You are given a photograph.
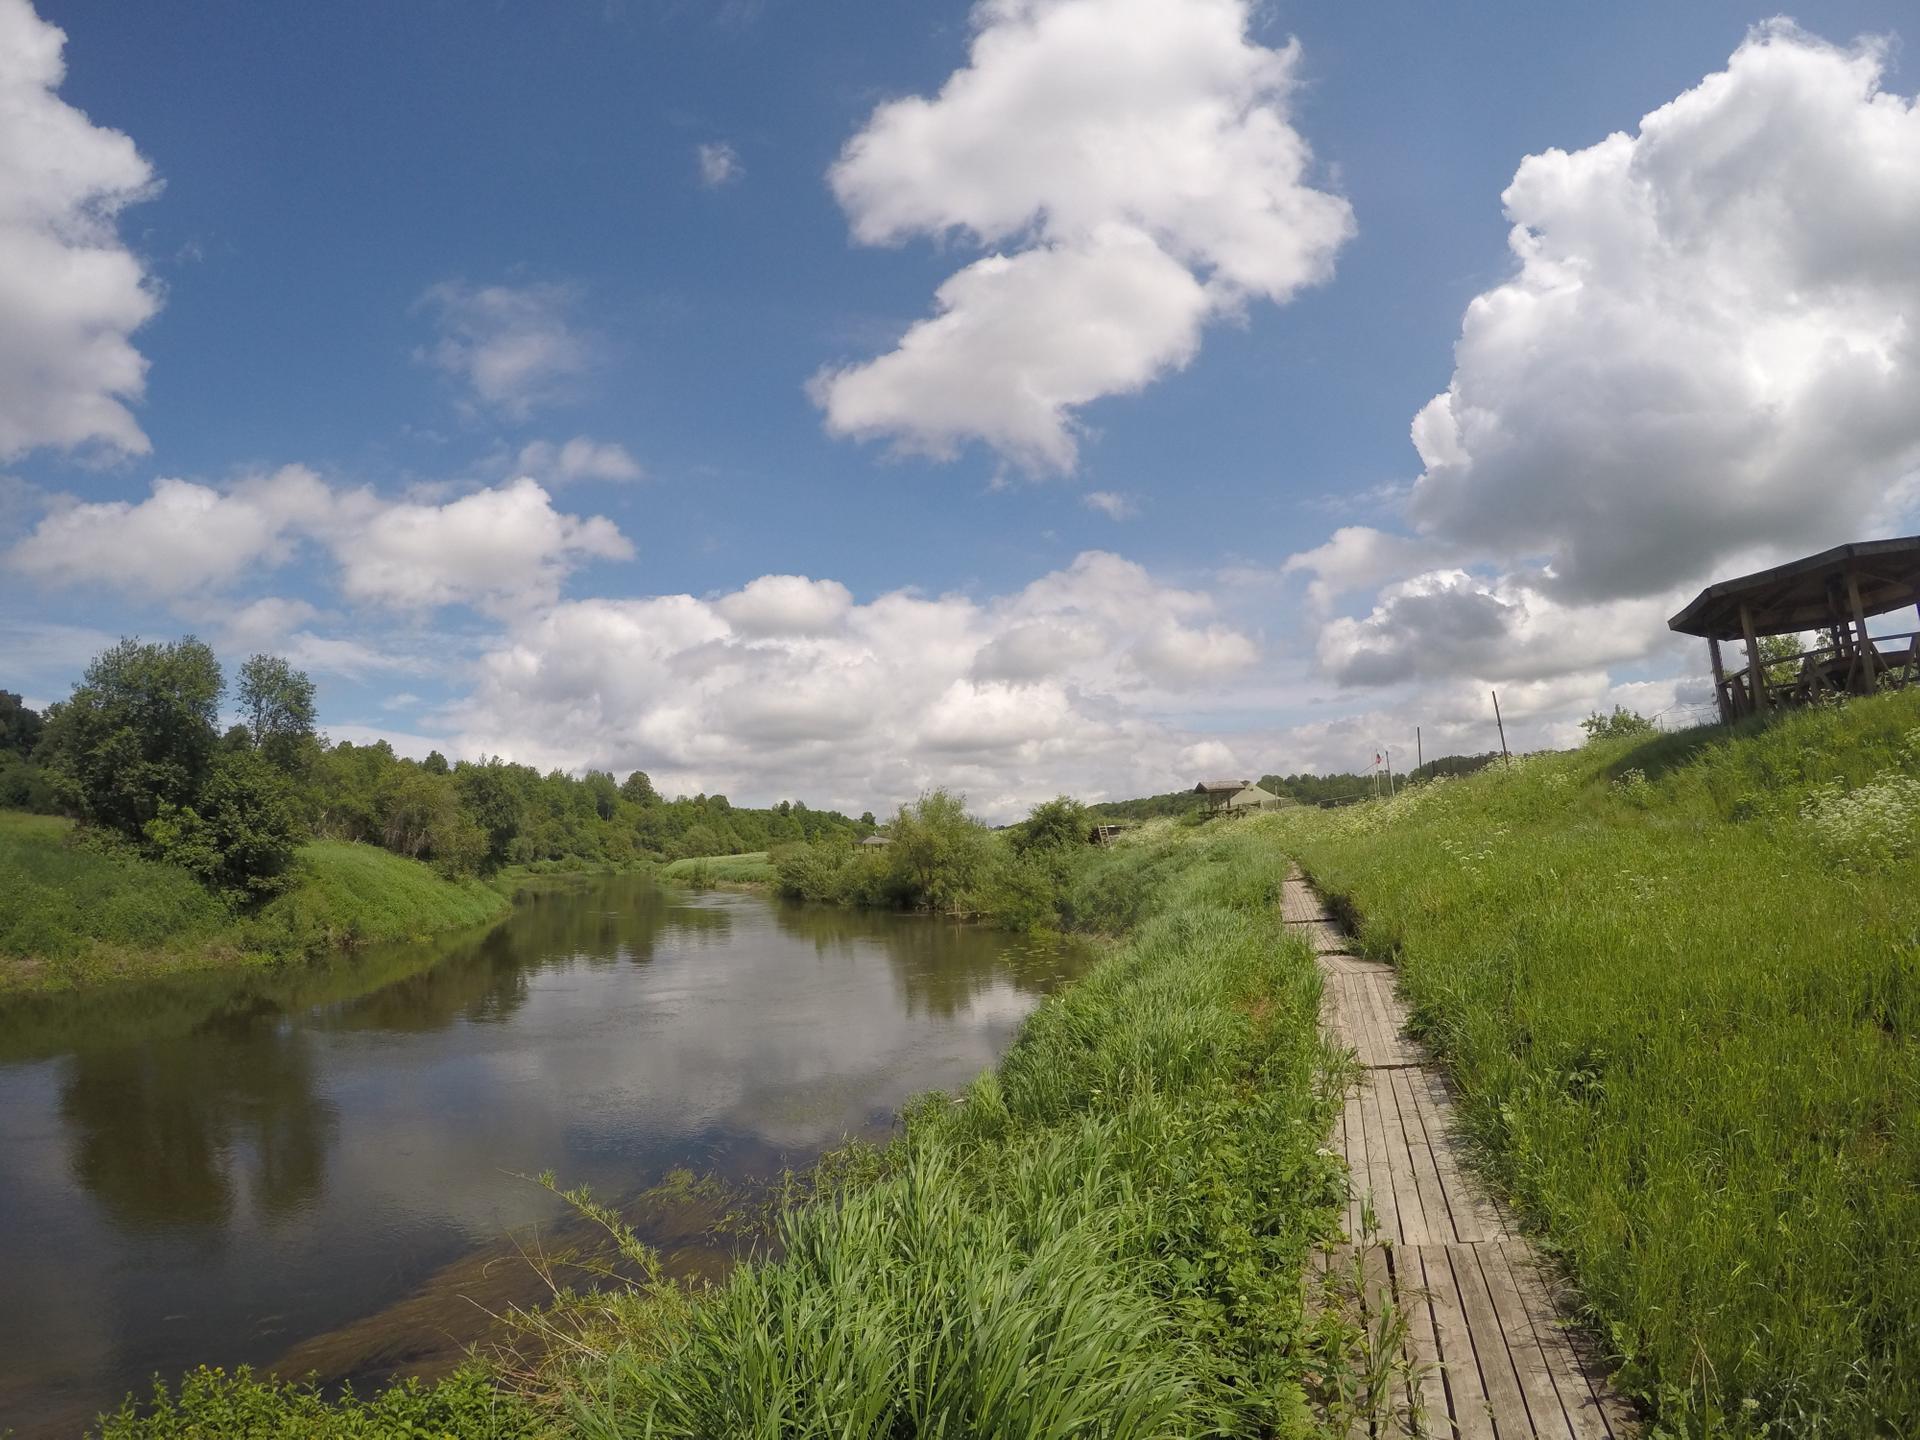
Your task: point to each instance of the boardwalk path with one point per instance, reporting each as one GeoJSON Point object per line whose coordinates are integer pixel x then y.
{"type": "Point", "coordinates": [1489, 1354]}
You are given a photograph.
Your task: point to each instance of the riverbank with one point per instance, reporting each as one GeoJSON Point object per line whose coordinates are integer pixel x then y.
{"type": "Point", "coordinates": [78, 916]}
{"type": "Point", "coordinates": [754, 871]}
{"type": "Point", "coordinates": [1676, 980]}
{"type": "Point", "coordinates": [1107, 1233]}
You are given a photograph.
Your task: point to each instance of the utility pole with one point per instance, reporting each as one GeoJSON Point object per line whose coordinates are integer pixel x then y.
{"type": "Point", "coordinates": [1503, 729]}
{"type": "Point", "coordinates": [1419, 755]}
{"type": "Point", "coordinates": [1389, 772]}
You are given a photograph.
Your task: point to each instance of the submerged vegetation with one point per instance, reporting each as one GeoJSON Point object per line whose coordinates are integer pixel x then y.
{"type": "Point", "coordinates": [1679, 979]}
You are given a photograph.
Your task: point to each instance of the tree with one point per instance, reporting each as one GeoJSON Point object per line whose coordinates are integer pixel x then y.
{"type": "Point", "coordinates": [489, 794]}
{"type": "Point", "coordinates": [138, 732]}
{"type": "Point", "coordinates": [277, 701]}
{"type": "Point", "coordinates": [435, 763]}
{"type": "Point", "coordinates": [1053, 825]}
{"type": "Point", "coordinates": [240, 833]}
{"type": "Point", "coordinates": [604, 793]}
{"type": "Point", "coordinates": [1622, 724]}
{"type": "Point", "coordinates": [638, 789]}
{"type": "Point", "coordinates": [1780, 657]}
{"type": "Point", "coordinates": [937, 851]}
{"type": "Point", "coordinates": [20, 726]}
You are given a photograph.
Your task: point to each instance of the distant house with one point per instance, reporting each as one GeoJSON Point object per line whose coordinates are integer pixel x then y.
{"type": "Point", "coordinates": [1253, 798]}
{"type": "Point", "coordinates": [876, 840]}
{"type": "Point", "coordinates": [1220, 793]}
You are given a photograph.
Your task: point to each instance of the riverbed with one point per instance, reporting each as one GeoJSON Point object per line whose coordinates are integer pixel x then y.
{"type": "Point", "coordinates": [326, 1169]}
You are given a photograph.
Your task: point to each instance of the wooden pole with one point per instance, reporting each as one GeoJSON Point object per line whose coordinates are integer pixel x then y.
{"type": "Point", "coordinates": [1868, 656]}
{"type": "Point", "coordinates": [1503, 728]}
{"type": "Point", "coordinates": [1419, 755]}
{"type": "Point", "coordinates": [1720, 682]}
{"type": "Point", "coordinates": [1389, 772]}
{"type": "Point", "coordinates": [1756, 677]}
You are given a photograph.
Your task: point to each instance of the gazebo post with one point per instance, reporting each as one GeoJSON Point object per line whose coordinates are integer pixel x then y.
{"type": "Point", "coordinates": [1756, 677]}
{"type": "Point", "coordinates": [1867, 655]}
{"type": "Point", "coordinates": [1719, 681]}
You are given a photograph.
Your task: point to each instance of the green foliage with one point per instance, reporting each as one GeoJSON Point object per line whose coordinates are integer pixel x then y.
{"type": "Point", "coordinates": [1780, 657]}
{"type": "Point", "coordinates": [20, 726]}
{"type": "Point", "coordinates": [1622, 724]}
{"type": "Point", "coordinates": [1054, 824]}
{"type": "Point", "coordinates": [240, 834]}
{"type": "Point", "coordinates": [1678, 980]}
{"type": "Point", "coordinates": [213, 1405]}
{"type": "Point", "coordinates": [754, 869]}
{"type": "Point", "coordinates": [278, 703]}
{"type": "Point", "coordinates": [25, 786]}
{"type": "Point", "coordinates": [1104, 1237]}
{"type": "Point", "coordinates": [138, 732]}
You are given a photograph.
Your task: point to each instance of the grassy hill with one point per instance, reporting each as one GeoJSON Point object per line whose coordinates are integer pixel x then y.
{"type": "Point", "coordinates": [74, 914]}
{"type": "Point", "coordinates": [1679, 981]}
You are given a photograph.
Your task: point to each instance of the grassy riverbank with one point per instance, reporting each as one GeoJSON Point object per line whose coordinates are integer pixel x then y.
{"type": "Point", "coordinates": [1104, 1236]}
{"type": "Point", "coordinates": [1679, 980]}
{"type": "Point", "coordinates": [755, 869]}
{"type": "Point", "coordinates": [76, 915]}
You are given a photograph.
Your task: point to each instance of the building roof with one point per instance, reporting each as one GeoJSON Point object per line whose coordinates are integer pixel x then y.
{"type": "Point", "coordinates": [876, 840]}
{"type": "Point", "coordinates": [1253, 795]}
{"type": "Point", "coordinates": [1808, 594]}
{"type": "Point", "coordinates": [1221, 787]}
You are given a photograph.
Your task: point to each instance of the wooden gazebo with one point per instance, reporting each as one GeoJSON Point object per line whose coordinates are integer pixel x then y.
{"type": "Point", "coordinates": [1833, 594]}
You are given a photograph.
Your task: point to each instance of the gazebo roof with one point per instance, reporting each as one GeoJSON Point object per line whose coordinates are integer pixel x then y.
{"type": "Point", "coordinates": [1808, 594]}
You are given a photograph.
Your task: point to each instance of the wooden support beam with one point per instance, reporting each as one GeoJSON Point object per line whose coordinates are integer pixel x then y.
{"type": "Point", "coordinates": [1868, 659]}
{"type": "Point", "coordinates": [1720, 682]}
{"type": "Point", "coordinates": [1756, 673]}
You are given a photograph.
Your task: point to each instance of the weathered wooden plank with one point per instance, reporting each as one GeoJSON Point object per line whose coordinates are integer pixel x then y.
{"type": "Point", "coordinates": [1299, 901]}
{"type": "Point", "coordinates": [1408, 1204]}
{"type": "Point", "coordinates": [1426, 1174]}
{"type": "Point", "coordinates": [1497, 1375]}
{"type": "Point", "coordinates": [1547, 1414]}
{"type": "Point", "coordinates": [1475, 1216]}
{"type": "Point", "coordinates": [1428, 1386]}
{"type": "Point", "coordinates": [1379, 1162]}
{"type": "Point", "coordinates": [1466, 1412]}
{"type": "Point", "coordinates": [1593, 1412]}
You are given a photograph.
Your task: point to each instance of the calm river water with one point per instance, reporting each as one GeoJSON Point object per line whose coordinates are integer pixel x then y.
{"type": "Point", "coordinates": [312, 1170]}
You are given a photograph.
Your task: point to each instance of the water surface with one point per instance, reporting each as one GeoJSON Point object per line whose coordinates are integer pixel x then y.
{"type": "Point", "coordinates": [310, 1169]}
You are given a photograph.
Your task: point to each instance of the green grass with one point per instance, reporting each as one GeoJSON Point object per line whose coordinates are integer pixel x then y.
{"type": "Point", "coordinates": [1679, 981]}
{"type": "Point", "coordinates": [1103, 1237]}
{"type": "Point", "coordinates": [753, 869]}
{"type": "Point", "coordinates": [75, 916]}
{"type": "Point", "coordinates": [212, 1403]}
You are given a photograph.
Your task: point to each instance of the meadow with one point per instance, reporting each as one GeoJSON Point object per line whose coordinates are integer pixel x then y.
{"type": "Point", "coordinates": [1679, 982]}
{"type": "Point", "coordinates": [754, 868]}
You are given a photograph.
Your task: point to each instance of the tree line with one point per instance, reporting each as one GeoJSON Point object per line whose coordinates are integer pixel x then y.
{"type": "Point", "coordinates": [137, 752]}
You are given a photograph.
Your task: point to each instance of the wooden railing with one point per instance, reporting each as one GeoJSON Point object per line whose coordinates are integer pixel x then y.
{"type": "Point", "coordinates": [1829, 670]}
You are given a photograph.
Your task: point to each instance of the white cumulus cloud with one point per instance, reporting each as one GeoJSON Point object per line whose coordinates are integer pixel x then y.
{"type": "Point", "coordinates": [71, 293]}
{"type": "Point", "coordinates": [503, 546]}
{"type": "Point", "coordinates": [719, 163]}
{"type": "Point", "coordinates": [790, 685]}
{"type": "Point", "coordinates": [1131, 166]}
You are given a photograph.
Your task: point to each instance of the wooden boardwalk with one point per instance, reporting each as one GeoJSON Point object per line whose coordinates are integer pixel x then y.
{"type": "Point", "coordinates": [1488, 1355]}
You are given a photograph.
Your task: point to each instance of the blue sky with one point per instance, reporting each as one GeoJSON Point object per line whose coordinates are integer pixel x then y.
{"type": "Point", "coordinates": [416, 250]}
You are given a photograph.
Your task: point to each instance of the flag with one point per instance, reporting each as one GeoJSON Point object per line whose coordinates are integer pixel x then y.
{"type": "Point", "coordinates": [1376, 757]}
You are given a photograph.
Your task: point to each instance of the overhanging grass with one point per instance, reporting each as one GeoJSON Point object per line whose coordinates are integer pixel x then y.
{"type": "Point", "coordinates": [74, 916]}
{"type": "Point", "coordinates": [1104, 1237]}
{"type": "Point", "coordinates": [1680, 983]}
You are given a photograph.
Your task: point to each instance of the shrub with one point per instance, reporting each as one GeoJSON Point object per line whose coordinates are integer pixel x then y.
{"type": "Point", "coordinates": [240, 836]}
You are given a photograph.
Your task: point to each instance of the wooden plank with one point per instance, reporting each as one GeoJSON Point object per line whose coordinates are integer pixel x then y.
{"type": "Point", "coordinates": [1426, 1174]}
{"type": "Point", "coordinates": [1467, 1409]}
{"type": "Point", "coordinates": [1379, 1166]}
{"type": "Point", "coordinates": [1548, 1415]}
{"type": "Point", "coordinates": [1407, 1203]}
{"type": "Point", "coordinates": [1429, 1385]}
{"type": "Point", "coordinates": [1592, 1409]}
{"type": "Point", "coordinates": [1300, 901]}
{"type": "Point", "coordinates": [1475, 1216]}
{"type": "Point", "coordinates": [1497, 1375]}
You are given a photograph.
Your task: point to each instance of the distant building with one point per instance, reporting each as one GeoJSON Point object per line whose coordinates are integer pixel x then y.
{"type": "Point", "coordinates": [1253, 798]}
{"type": "Point", "coordinates": [876, 840]}
{"type": "Point", "coordinates": [1220, 793]}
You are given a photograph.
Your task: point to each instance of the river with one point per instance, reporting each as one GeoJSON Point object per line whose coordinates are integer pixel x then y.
{"type": "Point", "coordinates": [313, 1169]}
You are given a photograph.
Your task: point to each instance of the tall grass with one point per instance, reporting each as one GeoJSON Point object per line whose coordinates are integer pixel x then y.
{"type": "Point", "coordinates": [73, 913]}
{"type": "Point", "coordinates": [1103, 1237]}
{"type": "Point", "coordinates": [1680, 983]}
{"type": "Point", "coordinates": [756, 868]}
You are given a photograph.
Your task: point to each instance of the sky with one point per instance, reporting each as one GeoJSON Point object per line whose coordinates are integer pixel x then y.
{"type": "Point", "coordinates": [835, 401]}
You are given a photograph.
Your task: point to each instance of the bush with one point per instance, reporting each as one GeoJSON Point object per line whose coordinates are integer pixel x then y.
{"type": "Point", "coordinates": [241, 835]}
{"type": "Point", "coordinates": [213, 1404]}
